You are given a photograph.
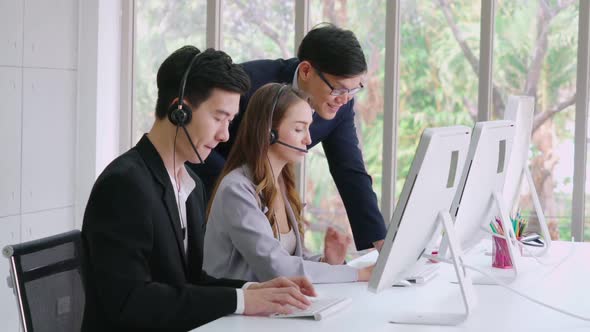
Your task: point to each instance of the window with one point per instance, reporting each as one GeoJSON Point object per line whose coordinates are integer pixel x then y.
{"type": "Point", "coordinates": [438, 72]}
{"type": "Point", "coordinates": [161, 27]}
{"type": "Point", "coordinates": [535, 48]}
{"type": "Point", "coordinates": [253, 30]}
{"type": "Point", "coordinates": [587, 196]}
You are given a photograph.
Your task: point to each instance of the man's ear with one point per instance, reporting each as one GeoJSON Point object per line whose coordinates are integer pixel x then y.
{"type": "Point", "coordinates": [174, 101]}
{"type": "Point", "coordinates": [305, 70]}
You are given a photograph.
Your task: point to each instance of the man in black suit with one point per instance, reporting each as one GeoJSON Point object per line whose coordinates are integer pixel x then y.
{"type": "Point", "coordinates": [330, 67]}
{"type": "Point", "coordinates": [145, 219]}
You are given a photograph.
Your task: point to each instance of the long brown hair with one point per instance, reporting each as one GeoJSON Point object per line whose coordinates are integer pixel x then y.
{"type": "Point", "coordinates": [252, 144]}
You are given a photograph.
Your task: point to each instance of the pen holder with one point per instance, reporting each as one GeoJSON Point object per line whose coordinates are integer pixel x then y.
{"type": "Point", "coordinates": [500, 255]}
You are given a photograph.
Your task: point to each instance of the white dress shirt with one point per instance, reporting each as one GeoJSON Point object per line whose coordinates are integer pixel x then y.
{"type": "Point", "coordinates": [182, 191]}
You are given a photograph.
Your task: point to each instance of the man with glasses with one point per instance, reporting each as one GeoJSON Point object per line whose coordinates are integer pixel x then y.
{"type": "Point", "coordinates": [330, 67]}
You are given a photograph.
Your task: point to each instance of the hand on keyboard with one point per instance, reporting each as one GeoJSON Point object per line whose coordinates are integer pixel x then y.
{"type": "Point", "coordinates": [300, 283]}
{"type": "Point", "coordinates": [319, 308]}
{"type": "Point", "coordinates": [276, 295]}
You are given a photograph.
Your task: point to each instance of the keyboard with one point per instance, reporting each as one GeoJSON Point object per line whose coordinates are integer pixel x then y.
{"type": "Point", "coordinates": [320, 308]}
{"type": "Point", "coordinates": [422, 272]}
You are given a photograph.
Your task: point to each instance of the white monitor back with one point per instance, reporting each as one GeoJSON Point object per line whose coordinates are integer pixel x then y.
{"type": "Point", "coordinates": [429, 189]}
{"type": "Point", "coordinates": [483, 174]}
{"type": "Point", "coordinates": [520, 110]}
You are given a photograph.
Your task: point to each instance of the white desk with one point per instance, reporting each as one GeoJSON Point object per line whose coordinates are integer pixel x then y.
{"type": "Point", "coordinates": [566, 286]}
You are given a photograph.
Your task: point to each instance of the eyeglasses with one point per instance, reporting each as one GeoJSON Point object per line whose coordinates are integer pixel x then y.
{"type": "Point", "coordinates": [339, 91]}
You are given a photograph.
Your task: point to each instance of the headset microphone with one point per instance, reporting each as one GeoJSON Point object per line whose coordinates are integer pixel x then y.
{"type": "Point", "coordinates": [192, 144]}
{"type": "Point", "coordinates": [292, 147]}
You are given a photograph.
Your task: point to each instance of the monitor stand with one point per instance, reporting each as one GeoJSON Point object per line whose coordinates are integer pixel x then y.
{"type": "Point", "coordinates": [510, 237]}
{"type": "Point", "coordinates": [526, 173]}
{"type": "Point", "coordinates": [513, 245]}
{"type": "Point", "coordinates": [465, 284]}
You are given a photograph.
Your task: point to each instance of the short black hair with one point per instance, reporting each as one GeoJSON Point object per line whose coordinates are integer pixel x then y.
{"type": "Point", "coordinates": [333, 50]}
{"type": "Point", "coordinates": [212, 69]}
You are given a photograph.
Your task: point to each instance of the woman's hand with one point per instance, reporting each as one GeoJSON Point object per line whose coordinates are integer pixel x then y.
{"type": "Point", "coordinates": [365, 273]}
{"type": "Point", "coordinates": [335, 245]}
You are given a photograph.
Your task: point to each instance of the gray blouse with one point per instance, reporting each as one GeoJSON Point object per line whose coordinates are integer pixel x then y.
{"type": "Point", "coordinates": [239, 241]}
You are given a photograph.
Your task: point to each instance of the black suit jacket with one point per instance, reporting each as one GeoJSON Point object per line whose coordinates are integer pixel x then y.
{"type": "Point", "coordinates": [137, 274]}
{"type": "Point", "coordinates": [340, 142]}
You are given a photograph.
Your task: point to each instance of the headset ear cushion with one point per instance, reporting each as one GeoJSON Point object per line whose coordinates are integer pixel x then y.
{"type": "Point", "coordinates": [274, 136]}
{"type": "Point", "coordinates": [180, 117]}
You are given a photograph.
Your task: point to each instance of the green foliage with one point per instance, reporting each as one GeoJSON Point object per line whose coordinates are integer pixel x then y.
{"type": "Point", "coordinates": [438, 86]}
{"type": "Point", "coordinates": [258, 29]}
{"type": "Point", "coordinates": [372, 134]}
{"type": "Point", "coordinates": [161, 28]}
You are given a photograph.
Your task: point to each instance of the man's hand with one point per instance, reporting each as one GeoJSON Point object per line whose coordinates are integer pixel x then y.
{"type": "Point", "coordinates": [378, 244]}
{"type": "Point", "coordinates": [277, 296]}
{"type": "Point", "coordinates": [266, 301]}
{"type": "Point", "coordinates": [335, 245]}
{"type": "Point", "coordinates": [302, 284]}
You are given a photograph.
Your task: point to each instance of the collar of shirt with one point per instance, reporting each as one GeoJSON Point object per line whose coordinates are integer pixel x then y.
{"type": "Point", "coordinates": [294, 83]}
{"type": "Point", "coordinates": [182, 190]}
{"type": "Point", "coordinates": [185, 184]}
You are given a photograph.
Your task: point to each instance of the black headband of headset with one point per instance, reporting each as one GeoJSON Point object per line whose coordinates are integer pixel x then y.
{"type": "Point", "coordinates": [185, 78]}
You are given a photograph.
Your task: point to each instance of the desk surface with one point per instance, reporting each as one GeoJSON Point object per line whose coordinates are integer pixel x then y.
{"type": "Point", "coordinates": [559, 282]}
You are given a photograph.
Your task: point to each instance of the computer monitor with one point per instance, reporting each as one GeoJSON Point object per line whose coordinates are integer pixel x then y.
{"type": "Point", "coordinates": [479, 195]}
{"type": "Point", "coordinates": [424, 202]}
{"type": "Point", "coordinates": [521, 110]}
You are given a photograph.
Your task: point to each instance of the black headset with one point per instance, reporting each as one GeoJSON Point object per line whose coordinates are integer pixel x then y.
{"type": "Point", "coordinates": [274, 134]}
{"type": "Point", "coordinates": [179, 113]}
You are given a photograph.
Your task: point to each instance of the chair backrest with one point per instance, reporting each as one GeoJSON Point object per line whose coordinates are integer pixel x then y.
{"type": "Point", "coordinates": [47, 278]}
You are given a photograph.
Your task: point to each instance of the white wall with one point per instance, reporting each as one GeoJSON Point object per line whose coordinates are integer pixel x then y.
{"type": "Point", "coordinates": [57, 134]}
{"type": "Point", "coordinates": [38, 73]}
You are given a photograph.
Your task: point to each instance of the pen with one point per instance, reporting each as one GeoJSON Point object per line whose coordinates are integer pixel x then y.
{"type": "Point", "coordinates": [500, 228]}
{"type": "Point", "coordinates": [493, 228]}
{"type": "Point", "coordinates": [523, 226]}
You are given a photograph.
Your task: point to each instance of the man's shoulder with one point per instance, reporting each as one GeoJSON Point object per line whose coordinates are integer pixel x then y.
{"type": "Point", "coordinates": [265, 71]}
{"type": "Point", "coordinates": [129, 164]}
{"type": "Point", "coordinates": [124, 187]}
{"type": "Point", "coordinates": [265, 64]}
{"type": "Point", "coordinates": [128, 173]}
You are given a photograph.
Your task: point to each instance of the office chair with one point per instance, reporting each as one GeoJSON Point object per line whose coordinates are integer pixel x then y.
{"type": "Point", "coordinates": [46, 276]}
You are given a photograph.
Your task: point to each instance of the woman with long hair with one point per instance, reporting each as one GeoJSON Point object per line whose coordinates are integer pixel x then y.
{"type": "Point", "coordinates": [255, 224]}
